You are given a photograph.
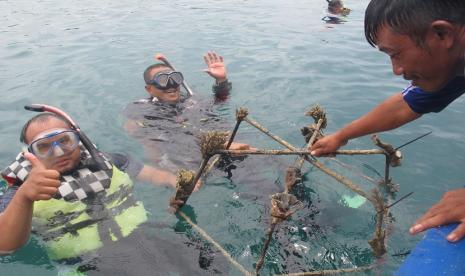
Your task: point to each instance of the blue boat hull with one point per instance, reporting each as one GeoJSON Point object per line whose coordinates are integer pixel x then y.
{"type": "Point", "coordinates": [434, 255]}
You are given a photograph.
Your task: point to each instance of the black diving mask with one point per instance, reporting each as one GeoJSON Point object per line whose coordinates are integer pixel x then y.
{"type": "Point", "coordinates": [167, 80]}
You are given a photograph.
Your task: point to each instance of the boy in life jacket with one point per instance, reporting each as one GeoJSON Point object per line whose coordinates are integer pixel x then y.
{"type": "Point", "coordinates": [75, 203]}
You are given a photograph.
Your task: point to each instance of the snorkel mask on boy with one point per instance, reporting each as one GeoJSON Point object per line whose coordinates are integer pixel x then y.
{"type": "Point", "coordinates": [54, 143]}
{"type": "Point", "coordinates": [92, 175]}
{"type": "Point", "coordinates": [61, 141]}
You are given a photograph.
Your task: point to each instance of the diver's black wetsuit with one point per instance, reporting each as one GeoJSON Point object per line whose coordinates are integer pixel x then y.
{"type": "Point", "coordinates": [168, 130]}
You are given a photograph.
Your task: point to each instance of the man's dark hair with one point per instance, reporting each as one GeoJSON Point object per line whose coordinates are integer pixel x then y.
{"type": "Point", "coordinates": [410, 17]}
{"type": "Point", "coordinates": [40, 118]}
{"type": "Point", "coordinates": [147, 77]}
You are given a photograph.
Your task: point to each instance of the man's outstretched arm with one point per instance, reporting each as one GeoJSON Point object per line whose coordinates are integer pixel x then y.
{"type": "Point", "coordinates": [156, 176]}
{"type": "Point", "coordinates": [392, 113]}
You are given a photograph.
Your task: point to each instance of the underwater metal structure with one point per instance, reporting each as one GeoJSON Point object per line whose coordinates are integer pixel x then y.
{"type": "Point", "coordinates": [284, 204]}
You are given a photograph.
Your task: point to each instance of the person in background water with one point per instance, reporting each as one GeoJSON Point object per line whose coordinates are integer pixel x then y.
{"type": "Point", "coordinates": [75, 206]}
{"type": "Point", "coordinates": [425, 40]}
{"type": "Point", "coordinates": [336, 12]}
{"type": "Point", "coordinates": [166, 121]}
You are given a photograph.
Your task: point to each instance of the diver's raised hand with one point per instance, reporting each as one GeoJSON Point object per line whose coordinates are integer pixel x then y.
{"type": "Point", "coordinates": [41, 183]}
{"type": "Point", "coordinates": [327, 144]}
{"type": "Point", "coordinates": [450, 209]}
{"type": "Point", "coordinates": [216, 67]}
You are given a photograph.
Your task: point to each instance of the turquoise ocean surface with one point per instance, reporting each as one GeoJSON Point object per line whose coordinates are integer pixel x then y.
{"type": "Point", "coordinates": [87, 57]}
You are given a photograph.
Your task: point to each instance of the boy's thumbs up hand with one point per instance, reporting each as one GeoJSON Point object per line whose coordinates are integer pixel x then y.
{"type": "Point", "coordinates": [41, 183]}
{"type": "Point", "coordinates": [35, 162]}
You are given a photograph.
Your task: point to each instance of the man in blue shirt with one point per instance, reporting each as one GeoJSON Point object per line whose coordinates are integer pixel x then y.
{"type": "Point", "coordinates": [425, 40]}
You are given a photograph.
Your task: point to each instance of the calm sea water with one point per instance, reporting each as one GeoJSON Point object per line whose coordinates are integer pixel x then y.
{"type": "Point", "coordinates": [87, 57]}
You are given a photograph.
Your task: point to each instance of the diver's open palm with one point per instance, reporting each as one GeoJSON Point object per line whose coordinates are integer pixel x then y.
{"type": "Point", "coordinates": [216, 67]}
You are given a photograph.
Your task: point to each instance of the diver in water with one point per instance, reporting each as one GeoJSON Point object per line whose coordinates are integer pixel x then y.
{"type": "Point", "coordinates": [77, 198]}
{"type": "Point", "coordinates": [336, 12]}
{"type": "Point", "coordinates": [166, 121]}
{"type": "Point", "coordinates": [163, 83]}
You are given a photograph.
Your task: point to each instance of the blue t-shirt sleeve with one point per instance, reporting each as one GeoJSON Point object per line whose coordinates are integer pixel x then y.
{"type": "Point", "coordinates": [425, 102]}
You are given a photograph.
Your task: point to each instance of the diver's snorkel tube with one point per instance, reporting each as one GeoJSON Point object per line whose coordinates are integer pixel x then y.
{"type": "Point", "coordinates": [162, 58]}
{"type": "Point", "coordinates": [100, 162]}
